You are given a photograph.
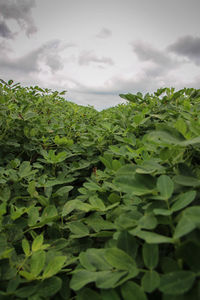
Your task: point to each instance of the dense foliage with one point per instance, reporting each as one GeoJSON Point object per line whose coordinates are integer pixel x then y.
{"type": "Point", "coordinates": [99, 205]}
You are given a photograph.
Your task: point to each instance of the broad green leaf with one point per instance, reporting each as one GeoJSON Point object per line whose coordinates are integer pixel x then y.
{"type": "Point", "coordinates": [94, 260]}
{"type": "Point", "coordinates": [177, 282]}
{"type": "Point", "coordinates": [81, 278]}
{"type": "Point", "coordinates": [49, 287]}
{"type": "Point", "coordinates": [193, 213]}
{"type": "Point", "coordinates": [16, 212]}
{"type": "Point", "coordinates": [75, 204]}
{"type": "Point", "coordinates": [98, 223]}
{"type": "Point", "coordinates": [150, 255]}
{"type": "Point", "coordinates": [33, 216]}
{"type": "Point", "coordinates": [13, 284]}
{"type": "Point", "coordinates": [109, 279]}
{"type": "Point", "coordinates": [49, 212]}
{"type": "Point", "coordinates": [184, 226]}
{"type": "Point", "coordinates": [153, 238]}
{"type": "Point", "coordinates": [165, 186]}
{"type": "Point", "coordinates": [37, 262]}
{"type": "Point", "coordinates": [54, 266]}
{"type": "Point", "coordinates": [5, 194]}
{"type": "Point", "coordinates": [27, 275]}
{"type": "Point", "coordinates": [26, 247]}
{"type": "Point", "coordinates": [183, 200]}
{"type": "Point", "coordinates": [97, 203]}
{"type": "Point", "coordinates": [150, 281]}
{"type": "Point", "coordinates": [130, 289]}
{"type": "Point", "coordinates": [78, 229]}
{"type": "Point", "coordinates": [181, 126]}
{"type": "Point", "coordinates": [132, 184]}
{"type": "Point", "coordinates": [37, 243]}
{"type": "Point", "coordinates": [187, 181]}
{"type": "Point", "coordinates": [24, 169]}
{"type": "Point", "coordinates": [128, 243]}
{"type": "Point", "coordinates": [87, 293]}
{"type": "Point", "coordinates": [109, 294]}
{"type": "Point", "coordinates": [26, 291]}
{"type": "Point", "coordinates": [120, 260]}
{"type": "Point", "coordinates": [31, 189]}
{"type": "Point", "coordinates": [63, 190]}
{"type": "Point", "coordinates": [147, 222]}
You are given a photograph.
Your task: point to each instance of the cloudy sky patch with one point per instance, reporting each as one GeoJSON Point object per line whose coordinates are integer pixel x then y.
{"type": "Point", "coordinates": [104, 33]}
{"type": "Point", "coordinates": [187, 46]}
{"type": "Point", "coordinates": [98, 49]}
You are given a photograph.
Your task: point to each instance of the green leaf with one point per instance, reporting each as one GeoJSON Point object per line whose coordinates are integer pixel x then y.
{"type": "Point", "coordinates": [5, 194]}
{"type": "Point", "coordinates": [54, 266]}
{"type": "Point", "coordinates": [94, 259]}
{"type": "Point", "coordinates": [49, 287]}
{"type": "Point", "coordinates": [81, 278]}
{"type": "Point", "coordinates": [37, 243]}
{"type": "Point", "coordinates": [109, 294]}
{"type": "Point", "coordinates": [147, 222]}
{"type": "Point", "coordinates": [134, 184]}
{"type": "Point", "coordinates": [37, 262]}
{"type": "Point", "coordinates": [63, 190]}
{"type": "Point", "coordinates": [26, 291]}
{"type": "Point", "coordinates": [24, 169]}
{"type": "Point", "coordinates": [165, 186]}
{"type": "Point", "coordinates": [128, 243]}
{"type": "Point", "coordinates": [120, 260]}
{"type": "Point", "coordinates": [181, 126]}
{"type": "Point", "coordinates": [188, 222]}
{"type": "Point", "coordinates": [184, 226]}
{"type": "Point", "coordinates": [153, 238]}
{"type": "Point", "coordinates": [183, 200]}
{"type": "Point", "coordinates": [31, 189]}
{"type": "Point", "coordinates": [75, 204]}
{"type": "Point", "coordinates": [33, 216]}
{"type": "Point", "coordinates": [150, 254]}
{"type": "Point", "coordinates": [49, 213]}
{"type": "Point", "coordinates": [177, 282]}
{"type": "Point", "coordinates": [109, 279]}
{"type": "Point", "coordinates": [131, 289]}
{"type": "Point", "coordinates": [78, 229]}
{"type": "Point", "coordinates": [27, 275]}
{"type": "Point", "coordinates": [193, 213]}
{"type": "Point", "coordinates": [26, 247]}
{"type": "Point", "coordinates": [187, 181]}
{"type": "Point", "coordinates": [97, 203]}
{"type": "Point", "coordinates": [150, 281]}
{"type": "Point", "coordinates": [87, 293]}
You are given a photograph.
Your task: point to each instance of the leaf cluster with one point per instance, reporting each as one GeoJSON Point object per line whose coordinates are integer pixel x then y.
{"type": "Point", "coordinates": [99, 205]}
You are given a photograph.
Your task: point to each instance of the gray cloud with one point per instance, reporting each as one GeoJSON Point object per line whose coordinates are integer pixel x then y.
{"type": "Point", "coordinates": [146, 52]}
{"type": "Point", "coordinates": [88, 57]}
{"type": "Point", "coordinates": [48, 55]}
{"type": "Point", "coordinates": [20, 11]}
{"type": "Point", "coordinates": [104, 33]}
{"type": "Point", "coordinates": [5, 32]}
{"type": "Point", "coordinates": [187, 46]}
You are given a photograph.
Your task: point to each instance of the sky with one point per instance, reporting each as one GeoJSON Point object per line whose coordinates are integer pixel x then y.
{"type": "Point", "coordinates": [98, 49]}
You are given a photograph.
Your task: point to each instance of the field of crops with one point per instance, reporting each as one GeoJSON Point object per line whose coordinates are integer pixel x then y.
{"type": "Point", "coordinates": [99, 205]}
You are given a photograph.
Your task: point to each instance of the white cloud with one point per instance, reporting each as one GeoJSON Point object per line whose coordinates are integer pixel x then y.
{"type": "Point", "coordinates": [87, 57]}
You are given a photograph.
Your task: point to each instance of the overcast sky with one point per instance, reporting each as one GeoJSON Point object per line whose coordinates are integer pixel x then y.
{"type": "Point", "coordinates": [98, 49]}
